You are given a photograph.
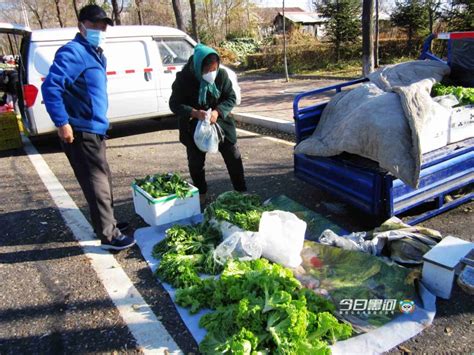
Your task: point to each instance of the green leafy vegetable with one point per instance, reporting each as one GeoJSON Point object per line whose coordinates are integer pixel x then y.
{"type": "Point", "coordinates": [186, 252]}
{"type": "Point", "coordinates": [261, 307]}
{"type": "Point", "coordinates": [242, 210]}
{"type": "Point", "coordinates": [160, 185]}
{"type": "Point", "coordinates": [464, 95]}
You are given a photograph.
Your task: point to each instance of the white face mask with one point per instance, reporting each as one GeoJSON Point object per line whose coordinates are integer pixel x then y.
{"type": "Point", "coordinates": [210, 77]}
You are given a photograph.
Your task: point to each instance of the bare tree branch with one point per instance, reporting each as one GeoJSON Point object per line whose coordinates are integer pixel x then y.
{"type": "Point", "coordinates": [178, 14]}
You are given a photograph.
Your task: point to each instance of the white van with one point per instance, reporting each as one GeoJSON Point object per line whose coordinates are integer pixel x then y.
{"type": "Point", "coordinates": [142, 62]}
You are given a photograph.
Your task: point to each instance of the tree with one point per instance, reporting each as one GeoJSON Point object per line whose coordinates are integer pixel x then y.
{"type": "Point", "coordinates": [229, 6]}
{"type": "Point", "coordinates": [76, 9]}
{"type": "Point", "coordinates": [116, 12]}
{"type": "Point", "coordinates": [138, 4]}
{"type": "Point", "coordinates": [434, 12]}
{"type": "Point", "coordinates": [194, 28]}
{"type": "Point", "coordinates": [58, 12]}
{"type": "Point", "coordinates": [412, 17]}
{"type": "Point", "coordinates": [367, 37]}
{"type": "Point", "coordinates": [343, 25]}
{"type": "Point", "coordinates": [460, 15]}
{"type": "Point", "coordinates": [377, 31]}
{"type": "Point", "coordinates": [38, 10]}
{"type": "Point", "coordinates": [178, 14]}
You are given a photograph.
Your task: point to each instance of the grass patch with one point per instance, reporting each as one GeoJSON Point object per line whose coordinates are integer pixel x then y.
{"type": "Point", "coordinates": [351, 68]}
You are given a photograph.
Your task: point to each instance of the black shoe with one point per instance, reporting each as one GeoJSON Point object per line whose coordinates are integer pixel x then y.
{"type": "Point", "coordinates": [118, 243]}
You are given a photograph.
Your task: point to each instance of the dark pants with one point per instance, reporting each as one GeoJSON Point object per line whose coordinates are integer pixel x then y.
{"type": "Point", "coordinates": [87, 158]}
{"type": "Point", "coordinates": [231, 154]}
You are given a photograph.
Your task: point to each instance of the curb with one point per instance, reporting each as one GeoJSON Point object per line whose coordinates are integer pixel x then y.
{"type": "Point", "coordinates": [267, 122]}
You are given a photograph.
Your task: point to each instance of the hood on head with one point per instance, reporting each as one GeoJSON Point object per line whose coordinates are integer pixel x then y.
{"type": "Point", "coordinates": [200, 52]}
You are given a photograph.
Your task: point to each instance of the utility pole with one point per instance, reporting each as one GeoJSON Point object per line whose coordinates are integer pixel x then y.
{"type": "Point", "coordinates": [284, 45]}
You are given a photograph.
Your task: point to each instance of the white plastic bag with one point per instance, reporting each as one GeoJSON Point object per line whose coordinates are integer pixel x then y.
{"type": "Point", "coordinates": [281, 235]}
{"type": "Point", "coordinates": [207, 136]}
{"type": "Point", "coordinates": [239, 245]}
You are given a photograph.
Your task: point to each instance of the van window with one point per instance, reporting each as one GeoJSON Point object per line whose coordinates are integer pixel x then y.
{"type": "Point", "coordinates": [126, 55]}
{"type": "Point", "coordinates": [174, 50]}
{"type": "Point", "coordinates": [43, 57]}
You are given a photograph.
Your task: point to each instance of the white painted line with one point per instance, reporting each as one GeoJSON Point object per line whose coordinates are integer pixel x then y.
{"type": "Point", "coordinates": [150, 335]}
{"type": "Point", "coordinates": [252, 134]}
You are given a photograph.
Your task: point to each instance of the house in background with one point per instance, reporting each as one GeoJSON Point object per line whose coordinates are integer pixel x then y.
{"type": "Point", "coordinates": [306, 22]}
{"type": "Point", "coordinates": [266, 17]}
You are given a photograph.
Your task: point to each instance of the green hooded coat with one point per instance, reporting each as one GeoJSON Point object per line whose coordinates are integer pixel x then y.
{"type": "Point", "coordinates": [186, 89]}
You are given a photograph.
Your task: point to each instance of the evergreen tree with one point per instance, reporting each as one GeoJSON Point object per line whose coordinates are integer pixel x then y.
{"type": "Point", "coordinates": [411, 16]}
{"type": "Point", "coordinates": [343, 24]}
{"type": "Point", "coordinates": [460, 15]}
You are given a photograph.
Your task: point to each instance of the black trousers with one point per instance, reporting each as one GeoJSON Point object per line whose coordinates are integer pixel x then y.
{"type": "Point", "coordinates": [232, 158]}
{"type": "Point", "coordinates": [86, 154]}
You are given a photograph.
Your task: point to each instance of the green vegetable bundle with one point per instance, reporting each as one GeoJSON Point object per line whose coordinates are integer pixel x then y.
{"type": "Point", "coordinates": [464, 95]}
{"type": "Point", "coordinates": [186, 252]}
{"type": "Point", "coordinates": [242, 210]}
{"type": "Point", "coordinates": [160, 185]}
{"type": "Point", "coordinates": [261, 307]}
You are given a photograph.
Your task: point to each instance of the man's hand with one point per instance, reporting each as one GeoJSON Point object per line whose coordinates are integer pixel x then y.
{"type": "Point", "coordinates": [214, 116]}
{"type": "Point", "coordinates": [199, 114]}
{"type": "Point", "coordinates": [65, 133]}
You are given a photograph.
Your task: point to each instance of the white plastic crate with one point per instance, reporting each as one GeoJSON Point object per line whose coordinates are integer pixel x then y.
{"type": "Point", "coordinates": [440, 262]}
{"type": "Point", "coordinates": [166, 209]}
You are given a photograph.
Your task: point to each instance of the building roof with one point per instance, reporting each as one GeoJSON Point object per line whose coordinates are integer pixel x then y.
{"type": "Point", "coordinates": [303, 17]}
{"type": "Point", "coordinates": [268, 14]}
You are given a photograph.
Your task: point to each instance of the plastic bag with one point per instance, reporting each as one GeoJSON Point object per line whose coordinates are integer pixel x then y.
{"type": "Point", "coordinates": [239, 245]}
{"type": "Point", "coordinates": [207, 136]}
{"type": "Point", "coordinates": [354, 241]}
{"type": "Point", "coordinates": [282, 235]}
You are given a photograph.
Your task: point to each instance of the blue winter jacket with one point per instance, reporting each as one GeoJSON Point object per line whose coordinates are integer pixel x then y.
{"type": "Point", "coordinates": [75, 90]}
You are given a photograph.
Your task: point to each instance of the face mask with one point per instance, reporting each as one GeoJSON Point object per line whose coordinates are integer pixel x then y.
{"type": "Point", "coordinates": [210, 77]}
{"type": "Point", "coordinates": [96, 38]}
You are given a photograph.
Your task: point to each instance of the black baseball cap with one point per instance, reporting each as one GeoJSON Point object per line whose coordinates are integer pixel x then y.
{"type": "Point", "coordinates": [94, 13]}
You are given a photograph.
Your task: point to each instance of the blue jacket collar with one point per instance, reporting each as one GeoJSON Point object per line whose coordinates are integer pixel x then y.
{"type": "Point", "coordinates": [96, 51]}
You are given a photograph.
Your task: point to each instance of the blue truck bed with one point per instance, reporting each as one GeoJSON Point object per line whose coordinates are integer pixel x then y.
{"type": "Point", "coordinates": [363, 184]}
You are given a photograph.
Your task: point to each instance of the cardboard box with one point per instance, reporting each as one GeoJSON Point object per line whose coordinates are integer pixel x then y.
{"type": "Point", "coordinates": [462, 123]}
{"type": "Point", "coordinates": [167, 209]}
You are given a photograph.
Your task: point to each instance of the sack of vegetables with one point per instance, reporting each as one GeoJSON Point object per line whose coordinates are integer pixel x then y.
{"type": "Point", "coordinates": [164, 198]}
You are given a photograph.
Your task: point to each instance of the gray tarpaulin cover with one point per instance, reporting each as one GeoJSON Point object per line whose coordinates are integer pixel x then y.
{"type": "Point", "coordinates": [382, 120]}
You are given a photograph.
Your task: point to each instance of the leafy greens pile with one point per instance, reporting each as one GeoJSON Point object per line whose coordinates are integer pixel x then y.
{"type": "Point", "coordinates": [186, 252]}
{"type": "Point", "coordinates": [464, 95]}
{"type": "Point", "coordinates": [261, 307]}
{"type": "Point", "coordinates": [160, 185]}
{"type": "Point", "coordinates": [242, 210]}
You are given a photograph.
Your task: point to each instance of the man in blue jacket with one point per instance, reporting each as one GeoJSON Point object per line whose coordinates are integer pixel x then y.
{"type": "Point", "coordinates": [75, 95]}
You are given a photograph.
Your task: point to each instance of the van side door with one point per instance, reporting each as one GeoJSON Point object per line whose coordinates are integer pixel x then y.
{"type": "Point", "coordinates": [174, 54]}
{"type": "Point", "coordinates": [132, 80]}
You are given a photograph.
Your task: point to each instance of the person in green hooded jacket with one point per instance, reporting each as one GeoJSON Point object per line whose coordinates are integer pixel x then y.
{"type": "Point", "coordinates": [203, 85]}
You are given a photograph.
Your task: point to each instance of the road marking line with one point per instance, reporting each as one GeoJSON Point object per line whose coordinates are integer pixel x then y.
{"type": "Point", "coordinates": [150, 335]}
{"type": "Point", "coordinates": [278, 140]}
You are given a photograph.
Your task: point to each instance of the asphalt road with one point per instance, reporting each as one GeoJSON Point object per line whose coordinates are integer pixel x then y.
{"type": "Point", "coordinates": [51, 301]}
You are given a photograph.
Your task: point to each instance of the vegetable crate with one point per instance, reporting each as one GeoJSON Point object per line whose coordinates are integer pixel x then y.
{"type": "Point", "coordinates": [9, 131]}
{"type": "Point", "coordinates": [167, 209]}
